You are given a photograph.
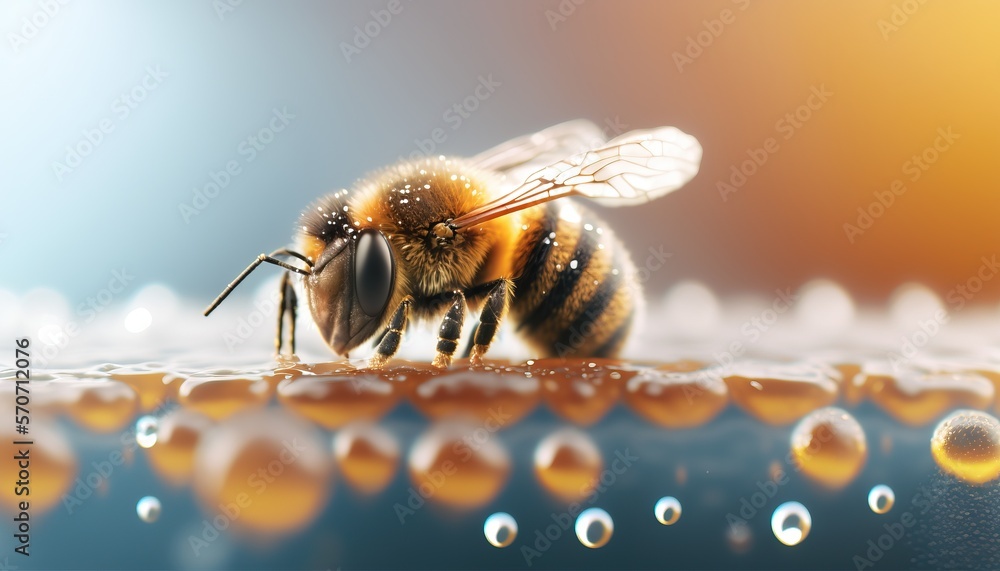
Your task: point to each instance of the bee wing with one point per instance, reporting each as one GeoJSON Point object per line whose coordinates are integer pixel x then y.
{"type": "Point", "coordinates": [520, 157]}
{"type": "Point", "coordinates": [634, 168]}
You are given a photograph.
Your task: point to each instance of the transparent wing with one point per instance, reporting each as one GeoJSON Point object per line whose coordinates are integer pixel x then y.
{"type": "Point", "coordinates": [520, 157]}
{"type": "Point", "coordinates": [634, 168]}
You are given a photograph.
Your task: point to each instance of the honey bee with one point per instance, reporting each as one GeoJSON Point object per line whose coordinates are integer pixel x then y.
{"type": "Point", "coordinates": [431, 237]}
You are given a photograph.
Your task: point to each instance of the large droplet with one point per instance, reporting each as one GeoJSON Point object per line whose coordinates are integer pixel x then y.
{"type": "Point", "coordinates": [500, 529]}
{"type": "Point", "coordinates": [791, 523]}
{"type": "Point", "coordinates": [667, 510]}
{"type": "Point", "coordinates": [966, 445]}
{"type": "Point", "coordinates": [177, 436]}
{"type": "Point", "coordinates": [148, 509]}
{"type": "Point", "coordinates": [458, 464]}
{"type": "Point", "coordinates": [594, 527]}
{"type": "Point", "coordinates": [779, 393]}
{"type": "Point", "coordinates": [263, 471]}
{"type": "Point", "coordinates": [367, 455]}
{"type": "Point", "coordinates": [568, 463]}
{"type": "Point", "coordinates": [678, 395]}
{"type": "Point", "coordinates": [221, 394]}
{"type": "Point", "coordinates": [881, 498]}
{"type": "Point", "coordinates": [829, 446]}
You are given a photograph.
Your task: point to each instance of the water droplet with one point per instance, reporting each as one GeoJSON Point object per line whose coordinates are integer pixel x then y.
{"type": "Point", "coordinates": [148, 509]}
{"type": "Point", "coordinates": [594, 527]}
{"type": "Point", "coordinates": [966, 445]}
{"type": "Point", "coordinates": [791, 523]}
{"type": "Point", "coordinates": [500, 529]}
{"type": "Point", "coordinates": [881, 498]}
{"type": "Point", "coordinates": [829, 446]}
{"type": "Point", "coordinates": [667, 510]}
{"type": "Point", "coordinates": [573, 264]}
{"type": "Point", "coordinates": [146, 429]}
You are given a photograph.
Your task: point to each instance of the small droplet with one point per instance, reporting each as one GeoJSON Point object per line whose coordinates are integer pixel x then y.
{"type": "Point", "coordinates": [881, 498]}
{"type": "Point", "coordinates": [791, 523]}
{"type": "Point", "coordinates": [146, 430]}
{"type": "Point", "coordinates": [667, 510]}
{"type": "Point", "coordinates": [500, 529]}
{"type": "Point", "coordinates": [594, 527]}
{"type": "Point", "coordinates": [148, 509]}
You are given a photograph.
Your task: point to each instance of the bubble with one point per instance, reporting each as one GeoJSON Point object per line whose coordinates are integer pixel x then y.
{"type": "Point", "coordinates": [966, 445]}
{"type": "Point", "coordinates": [791, 523]}
{"type": "Point", "coordinates": [881, 498]}
{"type": "Point", "coordinates": [824, 307]}
{"type": "Point", "coordinates": [567, 462]}
{"type": "Point", "coordinates": [594, 527]}
{"type": "Point", "coordinates": [500, 529]}
{"type": "Point", "coordinates": [148, 509]}
{"type": "Point", "coordinates": [138, 320]}
{"type": "Point", "coordinates": [829, 446]}
{"type": "Point", "coordinates": [667, 510]}
{"type": "Point", "coordinates": [146, 430]}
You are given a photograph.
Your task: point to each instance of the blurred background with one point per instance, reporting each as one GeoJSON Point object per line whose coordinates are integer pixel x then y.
{"type": "Point", "coordinates": [119, 115]}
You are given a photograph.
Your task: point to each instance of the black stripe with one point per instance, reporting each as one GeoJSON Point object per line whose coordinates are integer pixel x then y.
{"type": "Point", "coordinates": [615, 338]}
{"type": "Point", "coordinates": [540, 253]}
{"type": "Point", "coordinates": [592, 312]}
{"type": "Point", "coordinates": [566, 281]}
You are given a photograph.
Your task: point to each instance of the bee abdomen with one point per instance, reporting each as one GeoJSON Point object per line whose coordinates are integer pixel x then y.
{"type": "Point", "coordinates": [575, 294]}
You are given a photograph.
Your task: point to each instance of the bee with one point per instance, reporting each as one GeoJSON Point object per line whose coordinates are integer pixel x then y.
{"type": "Point", "coordinates": [433, 237]}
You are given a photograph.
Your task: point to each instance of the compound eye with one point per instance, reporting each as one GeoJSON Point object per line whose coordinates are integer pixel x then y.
{"type": "Point", "coordinates": [373, 272]}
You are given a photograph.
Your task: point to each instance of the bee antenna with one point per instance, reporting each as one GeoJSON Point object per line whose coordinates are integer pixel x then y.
{"type": "Point", "coordinates": [269, 258]}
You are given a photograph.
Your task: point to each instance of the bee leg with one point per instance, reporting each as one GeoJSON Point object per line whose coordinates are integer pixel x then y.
{"type": "Point", "coordinates": [450, 331]}
{"type": "Point", "coordinates": [389, 343]}
{"type": "Point", "coordinates": [493, 312]}
{"type": "Point", "coordinates": [287, 303]}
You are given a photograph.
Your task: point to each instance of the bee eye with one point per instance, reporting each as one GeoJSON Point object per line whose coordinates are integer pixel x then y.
{"type": "Point", "coordinates": [373, 272]}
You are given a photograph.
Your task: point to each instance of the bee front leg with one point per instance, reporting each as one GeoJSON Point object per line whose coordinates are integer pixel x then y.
{"type": "Point", "coordinates": [451, 329]}
{"type": "Point", "coordinates": [493, 312]}
{"type": "Point", "coordinates": [389, 344]}
{"type": "Point", "coordinates": [287, 304]}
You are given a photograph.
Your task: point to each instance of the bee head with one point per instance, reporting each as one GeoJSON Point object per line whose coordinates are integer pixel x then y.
{"type": "Point", "coordinates": [352, 280]}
